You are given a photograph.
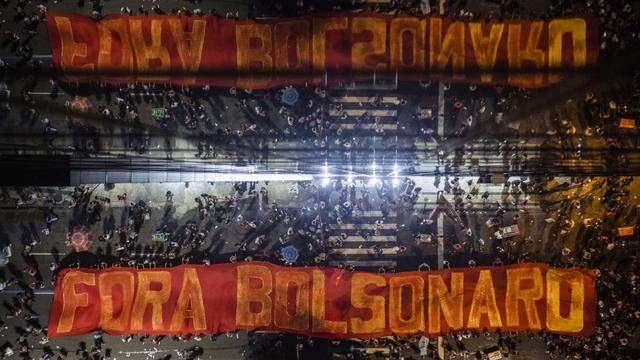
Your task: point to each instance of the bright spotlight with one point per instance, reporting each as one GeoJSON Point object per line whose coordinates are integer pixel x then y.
{"type": "Point", "coordinates": [373, 181]}
{"type": "Point", "coordinates": [325, 174]}
{"type": "Point", "coordinates": [396, 170]}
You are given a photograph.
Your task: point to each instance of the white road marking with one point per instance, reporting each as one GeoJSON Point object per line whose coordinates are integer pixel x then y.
{"type": "Point", "coordinates": [14, 57]}
{"type": "Point", "coordinates": [488, 147]}
{"type": "Point", "coordinates": [365, 99]}
{"type": "Point", "coordinates": [375, 238]}
{"type": "Point", "coordinates": [369, 126]}
{"type": "Point", "coordinates": [440, 226]}
{"type": "Point", "coordinates": [20, 291]}
{"type": "Point", "coordinates": [46, 93]}
{"type": "Point", "coordinates": [440, 130]}
{"type": "Point", "coordinates": [148, 353]}
{"type": "Point", "coordinates": [364, 263]}
{"type": "Point", "coordinates": [62, 93]}
{"type": "Point", "coordinates": [389, 251]}
{"type": "Point", "coordinates": [362, 226]}
{"type": "Point", "coordinates": [374, 213]}
{"type": "Point", "coordinates": [360, 112]}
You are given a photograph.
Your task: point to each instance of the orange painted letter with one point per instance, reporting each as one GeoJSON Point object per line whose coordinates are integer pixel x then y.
{"type": "Point", "coordinates": [71, 300]}
{"type": "Point", "coordinates": [450, 301]}
{"type": "Point", "coordinates": [578, 29]}
{"type": "Point", "coordinates": [253, 54]}
{"type": "Point", "coordinates": [574, 322]}
{"type": "Point", "coordinates": [247, 295]}
{"type": "Point", "coordinates": [374, 304]}
{"type": "Point", "coordinates": [69, 47]}
{"type": "Point", "coordinates": [516, 54]}
{"type": "Point", "coordinates": [299, 320]}
{"type": "Point", "coordinates": [319, 39]}
{"type": "Point", "coordinates": [417, 28]}
{"type": "Point", "coordinates": [485, 48]}
{"type": "Point", "coordinates": [189, 43]}
{"type": "Point", "coordinates": [107, 281]}
{"type": "Point", "coordinates": [484, 302]}
{"type": "Point", "coordinates": [248, 34]}
{"type": "Point", "coordinates": [146, 53]}
{"type": "Point", "coordinates": [377, 46]}
{"type": "Point", "coordinates": [190, 304]}
{"type": "Point", "coordinates": [146, 297]}
{"type": "Point", "coordinates": [318, 316]}
{"type": "Point", "coordinates": [527, 296]}
{"type": "Point", "coordinates": [298, 31]}
{"type": "Point", "coordinates": [451, 49]}
{"type": "Point", "coordinates": [107, 29]}
{"type": "Point", "coordinates": [415, 323]}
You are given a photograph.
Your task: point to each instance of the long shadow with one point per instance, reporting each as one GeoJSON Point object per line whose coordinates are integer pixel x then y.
{"type": "Point", "coordinates": [4, 346]}
{"type": "Point", "coordinates": [34, 231]}
{"type": "Point", "coordinates": [55, 253]}
{"type": "Point", "coordinates": [137, 250]}
{"type": "Point", "coordinates": [217, 242]}
{"type": "Point", "coordinates": [7, 305]}
{"type": "Point", "coordinates": [26, 235]}
{"type": "Point", "coordinates": [4, 237]}
{"type": "Point", "coordinates": [17, 273]}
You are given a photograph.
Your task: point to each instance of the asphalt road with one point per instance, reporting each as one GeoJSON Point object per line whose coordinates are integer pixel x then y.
{"type": "Point", "coordinates": [231, 346]}
{"type": "Point", "coordinates": [487, 152]}
{"type": "Point", "coordinates": [476, 153]}
{"type": "Point", "coordinates": [17, 224]}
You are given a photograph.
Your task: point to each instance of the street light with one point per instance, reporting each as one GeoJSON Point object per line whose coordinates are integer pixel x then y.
{"type": "Point", "coordinates": [374, 179]}
{"type": "Point", "coordinates": [396, 180]}
{"type": "Point", "coordinates": [325, 175]}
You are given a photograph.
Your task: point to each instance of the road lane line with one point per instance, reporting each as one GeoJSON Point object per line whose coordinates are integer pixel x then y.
{"type": "Point", "coordinates": [20, 291]}
{"type": "Point", "coordinates": [365, 99]}
{"type": "Point", "coordinates": [369, 126]}
{"type": "Point", "coordinates": [360, 112]}
{"type": "Point", "coordinates": [365, 263]}
{"type": "Point", "coordinates": [365, 251]}
{"type": "Point", "coordinates": [440, 130]}
{"type": "Point", "coordinates": [375, 213]}
{"type": "Point", "coordinates": [362, 226]}
{"type": "Point", "coordinates": [375, 238]}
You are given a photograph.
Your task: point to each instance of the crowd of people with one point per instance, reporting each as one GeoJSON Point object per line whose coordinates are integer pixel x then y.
{"type": "Point", "coordinates": [247, 209]}
{"type": "Point", "coordinates": [203, 114]}
{"type": "Point", "coordinates": [250, 210]}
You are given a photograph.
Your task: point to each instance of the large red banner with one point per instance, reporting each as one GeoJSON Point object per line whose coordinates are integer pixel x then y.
{"type": "Point", "coordinates": [318, 48]}
{"type": "Point", "coordinates": [322, 302]}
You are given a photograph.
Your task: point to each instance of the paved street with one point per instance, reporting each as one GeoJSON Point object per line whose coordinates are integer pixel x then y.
{"type": "Point", "coordinates": [378, 175]}
{"type": "Point", "coordinates": [395, 234]}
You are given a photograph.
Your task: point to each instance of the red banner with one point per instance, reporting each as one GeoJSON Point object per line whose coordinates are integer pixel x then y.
{"type": "Point", "coordinates": [322, 302]}
{"type": "Point", "coordinates": [318, 48]}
